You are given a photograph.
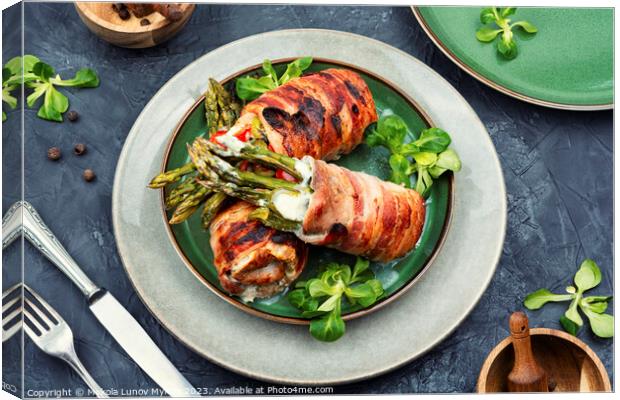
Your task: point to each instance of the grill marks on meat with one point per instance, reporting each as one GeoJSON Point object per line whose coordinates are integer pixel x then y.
{"type": "Point", "coordinates": [249, 254]}
{"type": "Point", "coordinates": [376, 219]}
{"type": "Point", "coordinates": [322, 115]}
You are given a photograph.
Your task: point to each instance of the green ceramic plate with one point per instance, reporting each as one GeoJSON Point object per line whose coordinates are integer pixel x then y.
{"type": "Point", "coordinates": [568, 64]}
{"type": "Point", "coordinates": [192, 241]}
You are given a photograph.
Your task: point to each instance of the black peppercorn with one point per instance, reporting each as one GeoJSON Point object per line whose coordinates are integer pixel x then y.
{"type": "Point", "coordinates": [145, 22]}
{"type": "Point", "coordinates": [124, 13]}
{"type": "Point", "coordinates": [72, 116]}
{"type": "Point", "coordinates": [79, 149]}
{"type": "Point", "coordinates": [53, 153]}
{"type": "Point", "coordinates": [89, 175]}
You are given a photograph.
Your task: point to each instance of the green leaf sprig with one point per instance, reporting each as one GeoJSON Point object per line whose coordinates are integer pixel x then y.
{"type": "Point", "coordinates": [587, 277]}
{"type": "Point", "coordinates": [506, 46]}
{"type": "Point", "coordinates": [12, 79]}
{"type": "Point", "coordinates": [321, 298]}
{"type": "Point", "coordinates": [249, 88]}
{"type": "Point", "coordinates": [42, 78]}
{"type": "Point", "coordinates": [7, 97]}
{"type": "Point", "coordinates": [428, 155]}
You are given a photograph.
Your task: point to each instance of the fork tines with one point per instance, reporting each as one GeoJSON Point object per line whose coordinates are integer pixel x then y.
{"type": "Point", "coordinates": [39, 317]}
{"type": "Point", "coordinates": [11, 311]}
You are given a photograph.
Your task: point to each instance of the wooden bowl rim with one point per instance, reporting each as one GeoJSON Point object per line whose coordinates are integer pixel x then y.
{"type": "Point", "coordinates": [497, 350]}
{"type": "Point", "coordinates": [87, 12]}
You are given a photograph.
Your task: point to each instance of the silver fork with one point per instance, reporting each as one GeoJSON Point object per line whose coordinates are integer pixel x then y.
{"type": "Point", "coordinates": [55, 337]}
{"type": "Point", "coordinates": [10, 324]}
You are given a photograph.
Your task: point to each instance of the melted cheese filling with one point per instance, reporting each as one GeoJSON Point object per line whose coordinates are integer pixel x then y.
{"type": "Point", "coordinates": [293, 205]}
{"type": "Point", "coordinates": [290, 204]}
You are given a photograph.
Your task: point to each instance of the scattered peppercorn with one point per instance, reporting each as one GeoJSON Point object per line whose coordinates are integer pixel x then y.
{"type": "Point", "coordinates": [124, 13]}
{"type": "Point", "coordinates": [89, 175]}
{"type": "Point", "coordinates": [117, 6]}
{"type": "Point", "coordinates": [53, 153]}
{"type": "Point", "coordinates": [72, 116]}
{"type": "Point", "coordinates": [145, 22]}
{"type": "Point", "coordinates": [79, 149]}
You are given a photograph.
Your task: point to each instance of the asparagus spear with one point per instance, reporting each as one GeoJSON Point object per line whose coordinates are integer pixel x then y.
{"type": "Point", "coordinates": [258, 197]}
{"type": "Point", "coordinates": [208, 163]}
{"type": "Point", "coordinates": [256, 154]}
{"type": "Point", "coordinates": [189, 205]}
{"type": "Point", "coordinates": [273, 220]}
{"type": "Point", "coordinates": [220, 109]}
{"type": "Point", "coordinates": [181, 192]}
{"type": "Point", "coordinates": [212, 206]}
{"type": "Point", "coordinates": [171, 176]}
{"type": "Point", "coordinates": [222, 177]}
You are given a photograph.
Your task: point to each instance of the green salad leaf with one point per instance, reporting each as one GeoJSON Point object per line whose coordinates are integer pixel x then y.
{"type": "Point", "coordinates": [587, 277]}
{"type": "Point", "coordinates": [7, 97]}
{"type": "Point", "coordinates": [249, 88]}
{"type": "Point", "coordinates": [506, 46]}
{"type": "Point", "coordinates": [321, 298]}
{"type": "Point", "coordinates": [427, 156]}
{"type": "Point", "coordinates": [539, 298]}
{"type": "Point", "coordinates": [42, 79]}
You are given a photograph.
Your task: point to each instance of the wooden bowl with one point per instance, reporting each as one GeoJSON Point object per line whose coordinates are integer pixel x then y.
{"type": "Point", "coordinates": [104, 22]}
{"type": "Point", "coordinates": [568, 361]}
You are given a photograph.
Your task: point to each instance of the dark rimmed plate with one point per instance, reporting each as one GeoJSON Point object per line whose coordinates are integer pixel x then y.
{"type": "Point", "coordinates": [192, 242]}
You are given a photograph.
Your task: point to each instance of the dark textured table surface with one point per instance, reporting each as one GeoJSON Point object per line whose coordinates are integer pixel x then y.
{"type": "Point", "coordinates": [557, 166]}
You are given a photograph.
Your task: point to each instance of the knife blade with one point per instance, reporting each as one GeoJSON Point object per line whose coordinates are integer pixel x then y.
{"type": "Point", "coordinates": [140, 347]}
{"type": "Point", "coordinates": [22, 217]}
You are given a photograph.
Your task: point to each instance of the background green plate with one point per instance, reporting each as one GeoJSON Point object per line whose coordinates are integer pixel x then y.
{"type": "Point", "coordinates": [193, 242]}
{"type": "Point", "coordinates": [568, 64]}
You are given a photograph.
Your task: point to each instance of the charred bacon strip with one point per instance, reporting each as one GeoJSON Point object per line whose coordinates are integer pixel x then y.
{"type": "Point", "coordinates": [360, 214]}
{"type": "Point", "coordinates": [322, 115]}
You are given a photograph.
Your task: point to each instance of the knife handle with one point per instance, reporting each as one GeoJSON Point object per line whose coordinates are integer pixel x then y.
{"type": "Point", "coordinates": [44, 240]}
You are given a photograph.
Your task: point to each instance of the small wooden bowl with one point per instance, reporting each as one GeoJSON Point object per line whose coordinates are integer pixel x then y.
{"type": "Point", "coordinates": [104, 22]}
{"type": "Point", "coordinates": [568, 361]}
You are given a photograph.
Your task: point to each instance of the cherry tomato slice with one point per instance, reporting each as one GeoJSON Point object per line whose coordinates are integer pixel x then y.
{"type": "Point", "coordinates": [244, 135]}
{"type": "Point", "coordinates": [219, 133]}
{"type": "Point", "coordinates": [285, 175]}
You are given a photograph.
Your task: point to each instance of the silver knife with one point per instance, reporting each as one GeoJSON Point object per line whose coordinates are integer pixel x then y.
{"type": "Point", "coordinates": [110, 313]}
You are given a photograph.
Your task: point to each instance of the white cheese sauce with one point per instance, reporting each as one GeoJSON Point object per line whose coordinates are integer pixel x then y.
{"type": "Point", "coordinates": [290, 204]}
{"type": "Point", "coordinates": [233, 144]}
{"type": "Point", "coordinates": [304, 167]}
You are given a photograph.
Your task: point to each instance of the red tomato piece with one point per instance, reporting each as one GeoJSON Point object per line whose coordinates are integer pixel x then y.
{"type": "Point", "coordinates": [285, 176]}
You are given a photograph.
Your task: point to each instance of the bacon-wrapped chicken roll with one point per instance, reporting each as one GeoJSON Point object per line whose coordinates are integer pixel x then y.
{"type": "Point", "coordinates": [253, 260]}
{"type": "Point", "coordinates": [323, 115]}
{"type": "Point", "coordinates": [360, 214]}
{"type": "Point", "coordinates": [330, 205]}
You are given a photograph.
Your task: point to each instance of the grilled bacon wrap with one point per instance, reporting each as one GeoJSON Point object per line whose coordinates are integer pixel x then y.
{"type": "Point", "coordinates": [253, 260]}
{"type": "Point", "coordinates": [322, 115]}
{"type": "Point", "coordinates": [360, 214]}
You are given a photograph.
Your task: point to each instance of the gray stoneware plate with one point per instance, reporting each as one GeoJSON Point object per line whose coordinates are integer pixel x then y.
{"type": "Point", "coordinates": [282, 353]}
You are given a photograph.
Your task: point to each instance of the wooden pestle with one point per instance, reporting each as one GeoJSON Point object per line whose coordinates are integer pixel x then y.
{"type": "Point", "coordinates": [526, 374]}
{"type": "Point", "coordinates": [171, 11]}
